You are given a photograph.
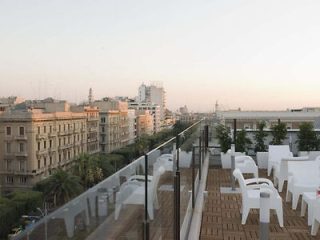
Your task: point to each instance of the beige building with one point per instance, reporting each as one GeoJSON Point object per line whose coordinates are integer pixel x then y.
{"type": "Point", "coordinates": [153, 109]}
{"type": "Point", "coordinates": [114, 124]}
{"type": "Point", "coordinates": [92, 113]}
{"type": "Point", "coordinates": [33, 142]}
{"type": "Point", "coordinates": [144, 123]}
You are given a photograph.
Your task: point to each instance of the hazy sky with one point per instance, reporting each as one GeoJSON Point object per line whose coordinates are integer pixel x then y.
{"type": "Point", "coordinates": [254, 54]}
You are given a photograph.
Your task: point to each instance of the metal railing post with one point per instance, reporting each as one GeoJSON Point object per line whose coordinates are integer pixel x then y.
{"type": "Point", "coordinates": [200, 156]}
{"type": "Point", "coordinates": [264, 215]}
{"type": "Point", "coordinates": [176, 177]}
{"type": "Point", "coordinates": [193, 176]}
{"type": "Point", "coordinates": [146, 232]}
{"type": "Point", "coordinates": [233, 165]}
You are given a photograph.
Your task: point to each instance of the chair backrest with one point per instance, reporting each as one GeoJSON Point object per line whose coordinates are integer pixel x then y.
{"type": "Point", "coordinates": [238, 175]}
{"type": "Point", "coordinates": [304, 171]}
{"type": "Point", "coordinates": [155, 180]}
{"type": "Point", "coordinates": [284, 163]}
{"type": "Point", "coordinates": [243, 158]}
{"type": "Point", "coordinates": [277, 152]}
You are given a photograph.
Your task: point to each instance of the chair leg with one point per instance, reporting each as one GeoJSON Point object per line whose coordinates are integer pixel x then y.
{"type": "Point", "coordinates": [288, 195]}
{"type": "Point", "coordinates": [281, 183]}
{"type": "Point", "coordinates": [315, 227]}
{"type": "Point", "coordinates": [279, 212]}
{"type": "Point", "coordinates": [295, 200]}
{"type": "Point", "coordinates": [245, 213]}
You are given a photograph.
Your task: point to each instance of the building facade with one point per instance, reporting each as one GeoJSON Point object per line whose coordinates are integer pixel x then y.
{"type": "Point", "coordinates": [144, 123]}
{"type": "Point", "coordinates": [34, 142]}
{"type": "Point", "coordinates": [114, 124]}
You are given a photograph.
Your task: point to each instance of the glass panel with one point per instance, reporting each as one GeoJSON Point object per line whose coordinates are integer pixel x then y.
{"type": "Point", "coordinates": [161, 191]}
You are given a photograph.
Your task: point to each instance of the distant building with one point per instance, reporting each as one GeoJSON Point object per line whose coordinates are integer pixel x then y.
{"type": "Point", "coordinates": [9, 102]}
{"type": "Point", "coordinates": [250, 119]}
{"type": "Point", "coordinates": [144, 123]}
{"type": "Point", "coordinates": [33, 142]}
{"type": "Point", "coordinates": [154, 94]}
{"type": "Point", "coordinates": [132, 126]}
{"type": "Point", "coordinates": [153, 109]}
{"type": "Point", "coordinates": [114, 124]}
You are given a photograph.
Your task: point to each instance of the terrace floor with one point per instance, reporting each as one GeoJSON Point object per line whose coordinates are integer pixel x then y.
{"type": "Point", "coordinates": [222, 220]}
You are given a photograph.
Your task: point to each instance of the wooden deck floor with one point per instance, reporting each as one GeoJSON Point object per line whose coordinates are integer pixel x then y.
{"type": "Point", "coordinates": [222, 219]}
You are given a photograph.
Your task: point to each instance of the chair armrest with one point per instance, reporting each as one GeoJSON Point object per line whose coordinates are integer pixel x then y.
{"type": "Point", "coordinates": [258, 181]}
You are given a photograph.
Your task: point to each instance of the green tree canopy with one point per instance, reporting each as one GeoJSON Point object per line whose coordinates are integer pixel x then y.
{"type": "Point", "coordinates": [259, 137]}
{"type": "Point", "coordinates": [279, 133]}
{"type": "Point", "coordinates": [307, 138]}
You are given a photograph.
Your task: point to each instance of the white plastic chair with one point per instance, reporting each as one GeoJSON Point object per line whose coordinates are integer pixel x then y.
{"type": "Point", "coordinates": [133, 192]}
{"type": "Point", "coordinates": [246, 165]}
{"type": "Point", "coordinates": [316, 218]}
{"type": "Point", "coordinates": [166, 161]}
{"type": "Point", "coordinates": [250, 192]}
{"type": "Point", "coordinates": [304, 177]}
{"type": "Point", "coordinates": [281, 170]}
{"type": "Point", "coordinates": [226, 158]}
{"type": "Point", "coordinates": [276, 153]}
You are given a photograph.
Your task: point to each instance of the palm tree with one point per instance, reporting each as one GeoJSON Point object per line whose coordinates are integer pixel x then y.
{"type": "Point", "coordinates": [63, 186]}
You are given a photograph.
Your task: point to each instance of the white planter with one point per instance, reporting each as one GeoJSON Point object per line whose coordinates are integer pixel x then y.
{"type": "Point", "coordinates": [226, 158]}
{"type": "Point", "coordinates": [311, 154]}
{"type": "Point", "coordinates": [185, 159]}
{"type": "Point", "coordinates": [262, 160]}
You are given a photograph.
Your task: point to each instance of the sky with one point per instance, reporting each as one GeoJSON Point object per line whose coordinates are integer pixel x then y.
{"type": "Point", "coordinates": [250, 54]}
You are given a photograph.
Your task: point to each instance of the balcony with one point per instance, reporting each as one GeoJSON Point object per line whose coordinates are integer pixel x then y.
{"type": "Point", "coordinates": [21, 138]}
{"type": "Point", "coordinates": [42, 152]}
{"type": "Point", "coordinates": [41, 136]}
{"type": "Point", "coordinates": [52, 135]}
{"type": "Point", "coordinates": [21, 154]}
{"type": "Point", "coordinates": [66, 146]}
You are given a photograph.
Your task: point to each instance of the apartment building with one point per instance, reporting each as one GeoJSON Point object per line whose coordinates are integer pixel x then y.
{"type": "Point", "coordinates": [33, 142]}
{"type": "Point", "coordinates": [114, 124]}
{"type": "Point", "coordinates": [92, 114]}
{"type": "Point", "coordinates": [144, 123]}
{"type": "Point", "coordinates": [132, 126]}
{"type": "Point", "coordinates": [154, 94]}
{"type": "Point", "coordinates": [153, 109]}
{"type": "Point", "coordinates": [9, 102]}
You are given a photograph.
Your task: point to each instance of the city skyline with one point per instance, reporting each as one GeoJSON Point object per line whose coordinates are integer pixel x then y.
{"type": "Point", "coordinates": [253, 55]}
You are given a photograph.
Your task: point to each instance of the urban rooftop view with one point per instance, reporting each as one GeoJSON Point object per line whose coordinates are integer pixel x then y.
{"type": "Point", "coordinates": [159, 120]}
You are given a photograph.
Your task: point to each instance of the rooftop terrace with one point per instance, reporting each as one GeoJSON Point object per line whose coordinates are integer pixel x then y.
{"type": "Point", "coordinates": [117, 208]}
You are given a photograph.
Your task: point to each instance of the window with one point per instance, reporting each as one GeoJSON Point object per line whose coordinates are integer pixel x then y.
{"type": "Point", "coordinates": [59, 128]}
{"type": "Point", "coordinates": [102, 129]}
{"type": "Point", "coordinates": [21, 147]}
{"type": "Point", "coordinates": [44, 144]}
{"type": "Point", "coordinates": [39, 130]}
{"type": "Point", "coordinates": [44, 129]}
{"type": "Point", "coordinates": [8, 131]}
{"type": "Point", "coordinates": [59, 142]}
{"type": "Point", "coordinates": [21, 131]}
{"type": "Point", "coordinates": [39, 164]}
{"type": "Point", "coordinates": [45, 161]}
{"type": "Point", "coordinates": [9, 179]}
{"type": "Point", "coordinates": [59, 158]}
{"type": "Point", "coordinates": [22, 165]}
{"type": "Point", "coordinates": [50, 143]}
{"type": "Point", "coordinates": [50, 159]}
{"type": "Point", "coordinates": [23, 180]}
{"type": "Point", "coordinates": [38, 146]}
{"type": "Point", "coordinates": [8, 148]}
{"type": "Point", "coordinates": [50, 129]}
{"type": "Point", "coordinates": [69, 155]}
{"type": "Point", "coordinates": [103, 119]}
{"type": "Point", "coordinates": [9, 165]}
{"type": "Point", "coordinates": [64, 127]}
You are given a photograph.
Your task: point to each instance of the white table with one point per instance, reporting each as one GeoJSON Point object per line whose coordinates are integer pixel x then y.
{"type": "Point", "coordinates": [308, 198]}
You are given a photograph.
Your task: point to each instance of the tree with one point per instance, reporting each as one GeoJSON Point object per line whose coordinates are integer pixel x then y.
{"type": "Point", "coordinates": [88, 169]}
{"type": "Point", "coordinates": [61, 186]}
{"type": "Point", "coordinates": [223, 137]}
{"type": "Point", "coordinates": [259, 137]}
{"type": "Point", "coordinates": [279, 133]}
{"type": "Point", "coordinates": [242, 141]}
{"type": "Point", "coordinates": [307, 138]}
